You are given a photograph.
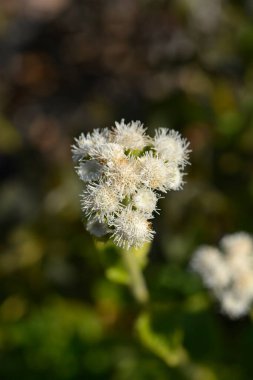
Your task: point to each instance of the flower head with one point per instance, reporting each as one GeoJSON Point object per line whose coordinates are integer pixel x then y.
{"type": "Point", "coordinates": [145, 200]}
{"type": "Point", "coordinates": [123, 170]}
{"type": "Point", "coordinates": [130, 136]}
{"type": "Point", "coordinates": [123, 175]}
{"type": "Point", "coordinates": [171, 147]}
{"type": "Point", "coordinates": [85, 143]}
{"type": "Point", "coordinates": [107, 152]}
{"type": "Point", "coordinates": [131, 228]}
{"type": "Point", "coordinates": [158, 174]}
{"type": "Point", "coordinates": [99, 200]}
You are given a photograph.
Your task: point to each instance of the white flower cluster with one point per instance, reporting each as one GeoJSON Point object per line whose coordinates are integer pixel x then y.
{"type": "Point", "coordinates": [124, 170]}
{"type": "Point", "coordinates": [228, 274]}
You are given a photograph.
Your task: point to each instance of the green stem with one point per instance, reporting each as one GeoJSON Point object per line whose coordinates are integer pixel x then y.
{"type": "Point", "coordinates": [137, 281]}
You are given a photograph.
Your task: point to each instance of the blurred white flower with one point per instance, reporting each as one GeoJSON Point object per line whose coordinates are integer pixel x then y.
{"type": "Point", "coordinates": [241, 241]}
{"type": "Point", "coordinates": [233, 305]}
{"type": "Point", "coordinates": [228, 274]}
{"type": "Point", "coordinates": [210, 264]}
{"type": "Point", "coordinates": [123, 171]}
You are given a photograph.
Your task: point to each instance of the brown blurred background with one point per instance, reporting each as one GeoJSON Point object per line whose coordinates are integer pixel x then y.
{"type": "Point", "coordinates": [66, 67]}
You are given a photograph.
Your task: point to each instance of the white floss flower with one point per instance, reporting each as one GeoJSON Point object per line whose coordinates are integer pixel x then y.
{"type": "Point", "coordinates": [171, 147]}
{"type": "Point", "coordinates": [145, 201]}
{"type": "Point", "coordinates": [234, 267]}
{"type": "Point", "coordinates": [130, 136]}
{"type": "Point", "coordinates": [131, 228]}
{"type": "Point", "coordinates": [100, 200]}
{"type": "Point", "coordinates": [123, 170]}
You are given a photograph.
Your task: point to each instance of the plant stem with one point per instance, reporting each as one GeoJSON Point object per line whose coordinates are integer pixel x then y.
{"type": "Point", "coordinates": [137, 281]}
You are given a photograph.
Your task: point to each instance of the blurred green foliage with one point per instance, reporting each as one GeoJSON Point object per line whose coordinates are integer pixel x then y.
{"type": "Point", "coordinates": [69, 66]}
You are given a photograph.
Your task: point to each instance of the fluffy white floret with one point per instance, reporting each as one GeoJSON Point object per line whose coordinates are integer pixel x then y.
{"type": "Point", "coordinates": [130, 136]}
{"type": "Point", "coordinates": [107, 152]}
{"type": "Point", "coordinates": [175, 178]}
{"type": "Point", "coordinates": [123, 175]}
{"type": "Point", "coordinates": [100, 200]}
{"type": "Point", "coordinates": [156, 174]}
{"type": "Point", "coordinates": [131, 228]}
{"type": "Point", "coordinates": [85, 143]}
{"type": "Point", "coordinates": [80, 150]}
{"type": "Point", "coordinates": [145, 201]}
{"type": "Point", "coordinates": [171, 147]}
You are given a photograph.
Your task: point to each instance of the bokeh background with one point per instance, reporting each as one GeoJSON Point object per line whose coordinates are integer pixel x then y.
{"type": "Point", "coordinates": [66, 67]}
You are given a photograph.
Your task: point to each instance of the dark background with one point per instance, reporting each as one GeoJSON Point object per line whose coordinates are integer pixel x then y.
{"type": "Point", "coordinates": [67, 67]}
